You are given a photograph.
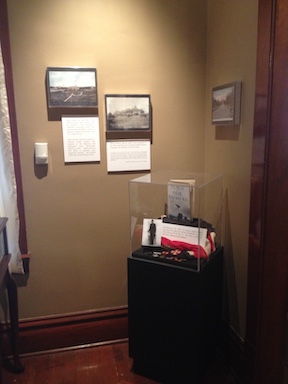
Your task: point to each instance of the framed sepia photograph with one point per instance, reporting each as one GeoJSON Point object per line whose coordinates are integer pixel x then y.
{"type": "Point", "coordinates": [71, 89]}
{"type": "Point", "coordinates": [226, 104]}
{"type": "Point", "coordinates": [128, 116]}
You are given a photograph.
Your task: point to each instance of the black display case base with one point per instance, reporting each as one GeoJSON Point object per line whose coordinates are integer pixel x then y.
{"type": "Point", "coordinates": [174, 318]}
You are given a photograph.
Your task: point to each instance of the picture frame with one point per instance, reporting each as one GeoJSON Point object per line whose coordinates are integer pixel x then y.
{"type": "Point", "coordinates": [70, 91]}
{"type": "Point", "coordinates": [226, 104]}
{"type": "Point", "coordinates": [128, 116]}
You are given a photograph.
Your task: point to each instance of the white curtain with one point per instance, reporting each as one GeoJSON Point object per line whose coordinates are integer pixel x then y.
{"type": "Point", "coordinates": [8, 189]}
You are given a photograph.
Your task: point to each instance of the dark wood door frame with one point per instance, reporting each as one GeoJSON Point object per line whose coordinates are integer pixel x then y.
{"type": "Point", "coordinates": [267, 265]}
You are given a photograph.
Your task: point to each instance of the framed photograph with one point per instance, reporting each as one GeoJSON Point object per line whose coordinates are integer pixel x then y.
{"type": "Point", "coordinates": [128, 116]}
{"type": "Point", "coordinates": [226, 104]}
{"type": "Point", "coordinates": [71, 90]}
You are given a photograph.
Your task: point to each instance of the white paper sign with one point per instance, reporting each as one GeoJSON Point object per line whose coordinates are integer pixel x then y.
{"type": "Point", "coordinates": [81, 139]}
{"type": "Point", "coordinates": [184, 233]}
{"type": "Point", "coordinates": [128, 155]}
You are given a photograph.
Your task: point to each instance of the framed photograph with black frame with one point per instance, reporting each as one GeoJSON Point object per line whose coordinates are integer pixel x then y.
{"type": "Point", "coordinates": [128, 116]}
{"type": "Point", "coordinates": [226, 104]}
{"type": "Point", "coordinates": [71, 91]}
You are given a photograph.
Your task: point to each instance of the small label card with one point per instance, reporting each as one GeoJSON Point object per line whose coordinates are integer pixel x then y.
{"type": "Point", "coordinates": [184, 233]}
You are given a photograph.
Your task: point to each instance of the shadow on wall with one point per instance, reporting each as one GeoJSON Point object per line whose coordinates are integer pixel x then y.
{"type": "Point", "coordinates": [40, 171]}
{"type": "Point", "coordinates": [230, 300]}
{"type": "Point", "coordinates": [227, 132]}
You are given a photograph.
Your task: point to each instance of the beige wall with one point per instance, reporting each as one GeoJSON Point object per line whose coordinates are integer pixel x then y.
{"type": "Point", "coordinates": [77, 215]}
{"type": "Point", "coordinates": [176, 51]}
{"type": "Point", "coordinates": [231, 56]}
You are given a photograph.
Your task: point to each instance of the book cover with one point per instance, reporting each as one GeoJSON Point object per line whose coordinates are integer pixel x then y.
{"type": "Point", "coordinates": [180, 199]}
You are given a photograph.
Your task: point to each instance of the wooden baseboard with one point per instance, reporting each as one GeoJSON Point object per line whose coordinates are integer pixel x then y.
{"type": "Point", "coordinates": [69, 330]}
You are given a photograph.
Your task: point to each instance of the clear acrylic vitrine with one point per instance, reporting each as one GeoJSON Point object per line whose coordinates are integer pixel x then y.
{"type": "Point", "coordinates": [176, 217]}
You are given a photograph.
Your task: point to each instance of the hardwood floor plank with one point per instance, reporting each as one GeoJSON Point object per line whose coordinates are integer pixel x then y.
{"type": "Point", "coordinates": [105, 364]}
{"type": "Point", "coordinates": [124, 366]}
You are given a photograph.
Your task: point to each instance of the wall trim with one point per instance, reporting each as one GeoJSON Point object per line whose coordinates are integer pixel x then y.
{"type": "Point", "coordinates": [70, 330]}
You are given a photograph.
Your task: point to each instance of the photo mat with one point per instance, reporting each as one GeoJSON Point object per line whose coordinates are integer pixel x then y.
{"type": "Point", "coordinates": [128, 116]}
{"type": "Point", "coordinates": [71, 87]}
{"type": "Point", "coordinates": [226, 104]}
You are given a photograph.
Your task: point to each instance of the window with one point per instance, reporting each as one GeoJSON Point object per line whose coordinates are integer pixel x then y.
{"type": "Point", "coordinates": [11, 194]}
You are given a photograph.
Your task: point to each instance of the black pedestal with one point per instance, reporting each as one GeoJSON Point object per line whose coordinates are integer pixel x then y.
{"type": "Point", "coordinates": [174, 318]}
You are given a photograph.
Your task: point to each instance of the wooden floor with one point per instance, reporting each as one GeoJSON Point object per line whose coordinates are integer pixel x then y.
{"type": "Point", "coordinates": [101, 364]}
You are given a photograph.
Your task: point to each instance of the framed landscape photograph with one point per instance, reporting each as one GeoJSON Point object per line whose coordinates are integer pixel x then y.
{"type": "Point", "coordinates": [128, 116]}
{"type": "Point", "coordinates": [71, 89]}
{"type": "Point", "coordinates": [226, 104]}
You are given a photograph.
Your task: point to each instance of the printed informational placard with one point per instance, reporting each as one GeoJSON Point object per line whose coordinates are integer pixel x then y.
{"type": "Point", "coordinates": [184, 233]}
{"type": "Point", "coordinates": [81, 139]}
{"type": "Point", "coordinates": [128, 155]}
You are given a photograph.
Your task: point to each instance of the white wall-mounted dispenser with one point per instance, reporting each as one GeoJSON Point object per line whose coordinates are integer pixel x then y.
{"type": "Point", "coordinates": [41, 153]}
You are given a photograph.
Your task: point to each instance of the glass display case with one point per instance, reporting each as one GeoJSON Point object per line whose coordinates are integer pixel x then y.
{"type": "Point", "coordinates": [176, 217]}
{"type": "Point", "coordinates": [175, 274]}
